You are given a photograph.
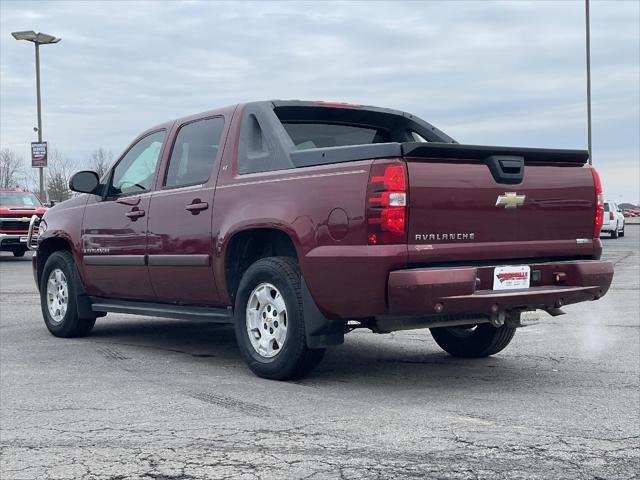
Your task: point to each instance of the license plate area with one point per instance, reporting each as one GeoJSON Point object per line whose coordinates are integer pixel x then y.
{"type": "Point", "coordinates": [511, 277]}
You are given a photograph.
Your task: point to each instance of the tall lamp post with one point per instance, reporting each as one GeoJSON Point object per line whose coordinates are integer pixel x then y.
{"type": "Point", "coordinates": [588, 45]}
{"type": "Point", "coordinates": [38, 39]}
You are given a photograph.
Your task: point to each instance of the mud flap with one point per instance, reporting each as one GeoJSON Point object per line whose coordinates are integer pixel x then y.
{"type": "Point", "coordinates": [83, 302]}
{"type": "Point", "coordinates": [320, 331]}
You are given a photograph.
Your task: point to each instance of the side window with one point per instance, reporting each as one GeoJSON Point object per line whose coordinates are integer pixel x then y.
{"type": "Point", "coordinates": [416, 137]}
{"type": "Point", "coordinates": [135, 172]}
{"type": "Point", "coordinates": [256, 153]}
{"type": "Point", "coordinates": [194, 152]}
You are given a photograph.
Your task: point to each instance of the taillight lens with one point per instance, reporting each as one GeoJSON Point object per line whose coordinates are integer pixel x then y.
{"type": "Point", "coordinates": [387, 204]}
{"type": "Point", "coordinates": [599, 202]}
{"type": "Point", "coordinates": [611, 216]}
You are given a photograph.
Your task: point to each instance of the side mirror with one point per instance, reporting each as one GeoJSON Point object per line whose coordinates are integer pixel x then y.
{"type": "Point", "coordinates": [85, 181]}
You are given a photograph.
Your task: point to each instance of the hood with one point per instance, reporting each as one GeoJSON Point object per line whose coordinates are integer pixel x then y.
{"type": "Point", "coordinates": [21, 210]}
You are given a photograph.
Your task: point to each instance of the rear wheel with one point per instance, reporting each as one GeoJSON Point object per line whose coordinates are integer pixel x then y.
{"type": "Point", "coordinates": [473, 342]}
{"type": "Point", "coordinates": [59, 287]}
{"type": "Point", "coordinates": [19, 253]}
{"type": "Point", "coordinates": [614, 232]}
{"type": "Point", "coordinates": [269, 322]}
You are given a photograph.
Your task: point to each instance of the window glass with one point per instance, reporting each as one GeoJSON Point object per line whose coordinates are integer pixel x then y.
{"type": "Point", "coordinates": [18, 199]}
{"type": "Point", "coordinates": [194, 152]}
{"type": "Point", "coordinates": [256, 153]}
{"type": "Point", "coordinates": [606, 207]}
{"type": "Point", "coordinates": [135, 172]}
{"type": "Point", "coordinates": [416, 137]}
{"type": "Point", "coordinates": [320, 135]}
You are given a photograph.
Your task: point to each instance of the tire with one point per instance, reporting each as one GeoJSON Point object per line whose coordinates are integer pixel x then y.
{"type": "Point", "coordinates": [622, 231]}
{"type": "Point", "coordinates": [270, 283]}
{"type": "Point", "coordinates": [481, 341]}
{"type": "Point", "coordinates": [19, 253]}
{"type": "Point", "coordinates": [60, 285]}
{"type": "Point", "coordinates": [614, 232]}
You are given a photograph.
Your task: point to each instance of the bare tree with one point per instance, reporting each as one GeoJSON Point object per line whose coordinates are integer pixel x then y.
{"type": "Point", "coordinates": [100, 160]}
{"type": "Point", "coordinates": [11, 173]}
{"type": "Point", "coordinates": [59, 171]}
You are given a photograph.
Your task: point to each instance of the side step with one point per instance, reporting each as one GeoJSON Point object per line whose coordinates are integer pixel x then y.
{"type": "Point", "coordinates": [181, 312]}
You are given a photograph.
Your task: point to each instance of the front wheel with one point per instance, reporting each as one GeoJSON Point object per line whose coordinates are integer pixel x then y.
{"type": "Point", "coordinates": [473, 342]}
{"type": "Point", "coordinates": [59, 286]}
{"type": "Point", "coordinates": [269, 321]}
{"type": "Point", "coordinates": [622, 231]}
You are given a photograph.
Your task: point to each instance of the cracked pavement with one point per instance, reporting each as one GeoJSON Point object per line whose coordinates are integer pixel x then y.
{"type": "Point", "coordinates": [145, 398]}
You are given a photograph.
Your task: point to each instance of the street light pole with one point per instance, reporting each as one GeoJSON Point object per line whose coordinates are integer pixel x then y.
{"type": "Point", "coordinates": [40, 169]}
{"type": "Point", "coordinates": [38, 39]}
{"type": "Point", "coordinates": [586, 7]}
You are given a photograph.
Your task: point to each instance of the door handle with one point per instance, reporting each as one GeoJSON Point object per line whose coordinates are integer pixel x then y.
{"type": "Point", "coordinates": [196, 207]}
{"type": "Point", "coordinates": [135, 214]}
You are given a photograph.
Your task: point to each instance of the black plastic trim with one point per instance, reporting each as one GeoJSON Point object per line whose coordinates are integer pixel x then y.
{"type": "Point", "coordinates": [181, 312]}
{"type": "Point", "coordinates": [300, 110]}
{"type": "Point", "coordinates": [323, 156]}
{"type": "Point", "coordinates": [115, 260]}
{"type": "Point", "coordinates": [178, 260]}
{"type": "Point", "coordinates": [482, 152]}
{"type": "Point", "coordinates": [506, 169]}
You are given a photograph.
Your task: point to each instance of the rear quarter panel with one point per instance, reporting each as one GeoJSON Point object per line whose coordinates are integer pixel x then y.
{"type": "Point", "coordinates": [320, 208]}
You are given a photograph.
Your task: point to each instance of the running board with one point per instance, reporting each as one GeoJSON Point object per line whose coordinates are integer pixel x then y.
{"type": "Point", "coordinates": [180, 312]}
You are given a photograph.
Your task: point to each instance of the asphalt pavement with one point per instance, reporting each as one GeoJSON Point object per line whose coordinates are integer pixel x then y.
{"type": "Point", "coordinates": [145, 398]}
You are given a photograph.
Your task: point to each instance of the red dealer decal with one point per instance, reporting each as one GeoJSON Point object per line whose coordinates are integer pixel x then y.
{"type": "Point", "coordinates": [512, 276]}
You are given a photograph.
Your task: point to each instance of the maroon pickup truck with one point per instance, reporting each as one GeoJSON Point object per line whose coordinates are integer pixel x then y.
{"type": "Point", "coordinates": [300, 221]}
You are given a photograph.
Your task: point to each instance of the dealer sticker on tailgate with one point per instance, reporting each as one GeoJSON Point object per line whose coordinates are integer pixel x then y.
{"type": "Point", "coordinates": [507, 278]}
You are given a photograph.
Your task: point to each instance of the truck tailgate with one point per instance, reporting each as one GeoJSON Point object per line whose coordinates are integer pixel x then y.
{"type": "Point", "coordinates": [459, 210]}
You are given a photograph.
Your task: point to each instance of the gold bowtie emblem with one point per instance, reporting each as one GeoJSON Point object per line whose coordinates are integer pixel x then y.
{"type": "Point", "coordinates": [510, 200]}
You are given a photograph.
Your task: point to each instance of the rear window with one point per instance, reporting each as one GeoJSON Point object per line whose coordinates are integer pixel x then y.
{"type": "Point", "coordinates": [321, 135]}
{"type": "Point", "coordinates": [606, 207]}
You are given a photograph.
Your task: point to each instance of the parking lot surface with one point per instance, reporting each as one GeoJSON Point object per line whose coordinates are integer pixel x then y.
{"type": "Point", "coordinates": [145, 398]}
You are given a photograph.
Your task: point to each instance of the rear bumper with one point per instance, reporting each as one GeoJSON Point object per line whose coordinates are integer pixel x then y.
{"type": "Point", "coordinates": [468, 290]}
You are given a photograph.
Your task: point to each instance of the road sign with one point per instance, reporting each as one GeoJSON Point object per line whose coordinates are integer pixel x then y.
{"type": "Point", "coordinates": [38, 154]}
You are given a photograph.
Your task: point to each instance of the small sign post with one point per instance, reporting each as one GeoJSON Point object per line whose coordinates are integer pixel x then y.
{"type": "Point", "coordinates": [38, 154]}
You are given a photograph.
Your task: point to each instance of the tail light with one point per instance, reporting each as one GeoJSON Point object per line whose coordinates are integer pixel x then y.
{"type": "Point", "coordinates": [387, 204]}
{"type": "Point", "coordinates": [611, 216]}
{"type": "Point", "coordinates": [599, 202]}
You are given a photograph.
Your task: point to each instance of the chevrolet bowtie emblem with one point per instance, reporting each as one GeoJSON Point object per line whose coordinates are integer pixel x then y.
{"type": "Point", "coordinates": [510, 200]}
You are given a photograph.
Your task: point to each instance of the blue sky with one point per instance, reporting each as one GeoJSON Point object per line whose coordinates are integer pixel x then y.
{"type": "Point", "coordinates": [501, 73]}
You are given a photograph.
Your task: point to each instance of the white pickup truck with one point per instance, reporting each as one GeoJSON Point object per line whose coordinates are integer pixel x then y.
{"type": "Point", "coordinates": [613, 220]}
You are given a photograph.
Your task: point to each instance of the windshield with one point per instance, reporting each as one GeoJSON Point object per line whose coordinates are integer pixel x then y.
{"type": "Point", "coordinates": [19, 199]}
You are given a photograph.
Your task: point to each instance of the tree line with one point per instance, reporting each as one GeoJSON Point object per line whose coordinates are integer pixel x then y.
{"type": "Point", "coordinates": [15, 172]}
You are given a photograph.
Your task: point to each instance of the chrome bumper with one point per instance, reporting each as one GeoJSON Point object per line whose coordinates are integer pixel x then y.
{"type": "Point", "coordinates": [16, 240]}
{"type": "Point", "coordinates": [32, 240]}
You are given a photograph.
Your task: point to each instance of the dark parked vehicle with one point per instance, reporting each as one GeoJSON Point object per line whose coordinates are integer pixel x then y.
{"type": "Point", "coordinates": [300, 221]}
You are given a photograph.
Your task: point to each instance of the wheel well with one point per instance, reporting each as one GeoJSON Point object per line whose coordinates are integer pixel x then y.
{"type": "Point", "coordinates": [249, 246]}
{"type": "Point", "coordinates": [46, 248]}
